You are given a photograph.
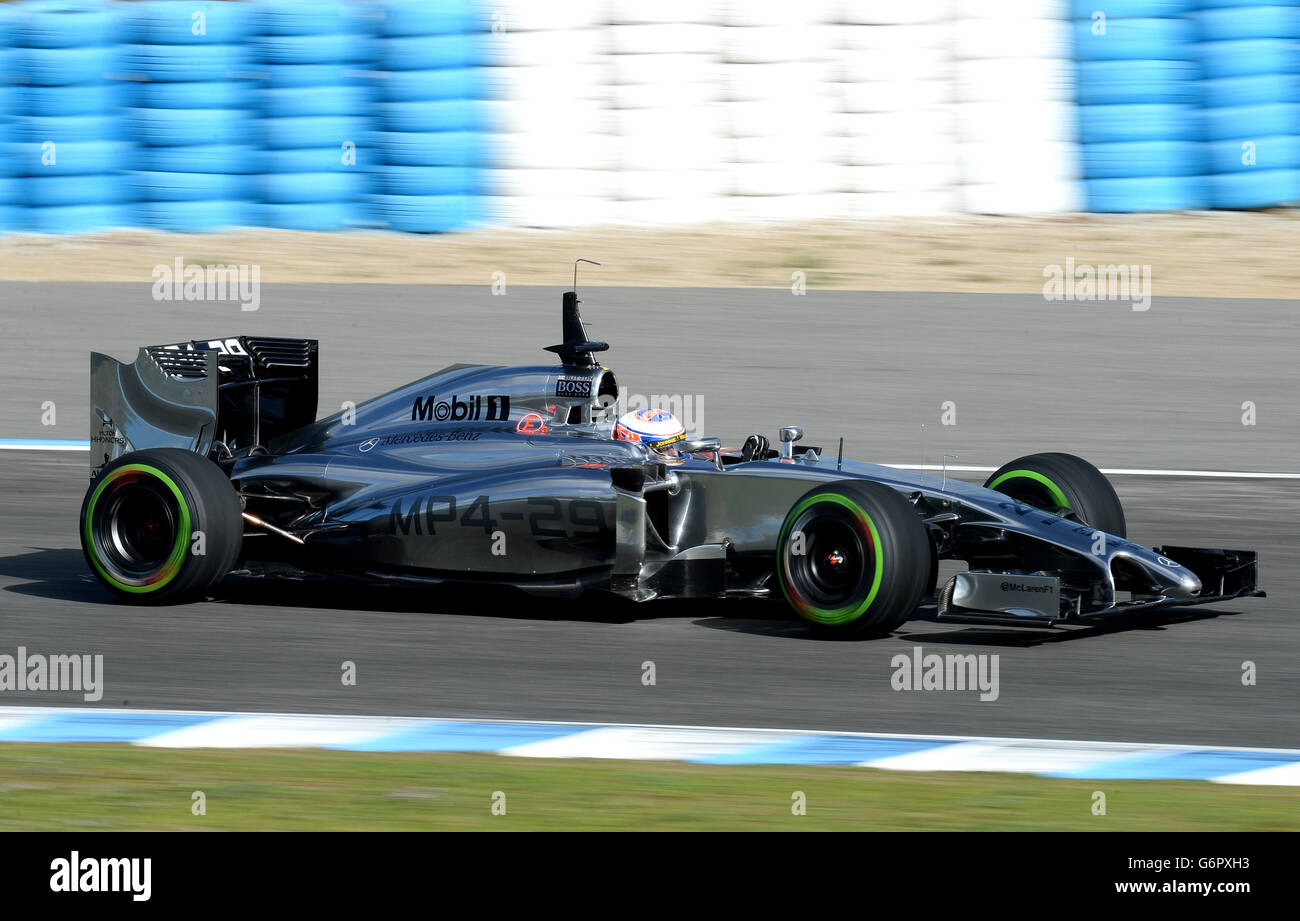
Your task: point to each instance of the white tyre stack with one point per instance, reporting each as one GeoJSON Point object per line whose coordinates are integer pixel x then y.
{"type": "Point", "coordinates": [555, 155]}
{"type": "Point", "coordinates": [1014, 114]}
{"type": "Point", "coordinates": [895, 131]}
{"type": "Point", "coordinates": [664, 98]}
{"type": "Point", "coordinates": [781, 108]}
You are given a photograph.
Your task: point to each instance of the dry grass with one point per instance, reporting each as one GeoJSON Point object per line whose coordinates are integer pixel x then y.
{"type": "Point", "coordinates": [1225, 254]}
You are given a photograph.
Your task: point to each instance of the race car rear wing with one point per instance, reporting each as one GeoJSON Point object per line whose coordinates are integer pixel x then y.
{"type": "Point", "coordinates": [235, 393]}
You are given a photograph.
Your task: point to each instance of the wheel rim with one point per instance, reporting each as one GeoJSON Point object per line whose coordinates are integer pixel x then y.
{"type": "Point", "coordinates": [137, 528]}
{"type": "Point", "coordinates": [837, 577]}
{"type": "Point", "coordinates": [832, 566]}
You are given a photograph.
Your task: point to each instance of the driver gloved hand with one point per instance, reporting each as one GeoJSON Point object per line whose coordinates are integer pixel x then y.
{"type": "Point", "coordinates": [755, 448]}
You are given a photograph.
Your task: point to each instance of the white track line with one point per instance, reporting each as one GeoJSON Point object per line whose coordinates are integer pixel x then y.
{"type": "Point", "coordinates": [34, 444]}
{"type": "Point", "coordinates": [1120, 471]}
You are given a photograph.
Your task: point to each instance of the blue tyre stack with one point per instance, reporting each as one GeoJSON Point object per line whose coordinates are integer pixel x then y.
{"type": "Point", "coordinates": [187, 114]}
{"type": "Point", "coordinates": [1250, 65]}
{"type": "Point", "coordinates": [1139, 128]}
{"type": "Point", "coordinates": [313, 171]}
{"type": "Point", "coordinates": [432, 135]}
{"type": "Point", "coordinates": [64, 143]}
{"type": "Point", "coordinates": [9, 183]}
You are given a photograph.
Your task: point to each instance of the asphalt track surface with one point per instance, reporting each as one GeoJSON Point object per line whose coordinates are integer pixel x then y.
{"type": "Point", "coordinates": [1157, 389]}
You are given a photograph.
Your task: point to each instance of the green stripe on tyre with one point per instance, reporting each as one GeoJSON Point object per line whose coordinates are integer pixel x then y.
{"type": "Point", "coordinates": [169, 569]}
{"type": "Point", "coordinates": [849, 613]}
{"type": "Point", "coordinates": [1055, 491]}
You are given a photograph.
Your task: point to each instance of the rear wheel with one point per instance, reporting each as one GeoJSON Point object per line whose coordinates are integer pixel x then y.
{"type": "Point", "coordinates": [1064, 485]}
{"type": "Point", "coordinates": [853, 558]}
{"type": "Point", "coordinates": [162, 524]}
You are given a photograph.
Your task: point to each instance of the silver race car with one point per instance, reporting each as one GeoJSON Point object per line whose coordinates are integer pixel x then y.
{"type": "Point", "coordinates": [207, 460]}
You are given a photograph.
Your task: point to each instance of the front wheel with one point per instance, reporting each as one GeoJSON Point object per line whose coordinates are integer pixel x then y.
{"type": "Point", "coordinates": [853, 558]}
{"type": "Point", "coordinates": [1065, 485]}
{"type": "Point", "coordinates": [162, 524]}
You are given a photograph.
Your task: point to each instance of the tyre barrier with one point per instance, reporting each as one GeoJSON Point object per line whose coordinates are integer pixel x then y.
{"type": "Point", "coordinates": [92, 99]}
{"type": "Point", "coordinates": [185, 63]}
{"type": "Point", "coordinates": [430, 180]}
{"type": "Point", "coordinates": [418, 17]}
{"type": "Point", "coordinates": [193, 22]}
{"type": "Point", "coordinates": [1247, 57]}
{"type": "Point", "coordinates": [1133, 39]}
{"type": "Point", "coordinates": [432, 136]}
{"type": "Point", "coordinates": [51, 191]}
{"type": "Point", "coordinates": [430, 213]}
{"type": "Point", "coordinates": [67, 219]}
{"type": "Point", "coordinates": [429, 85]}
{"type": "Point", "coordinates": [187, 127]}
{"type": "Point", "coordinates": [321, 159]}
{"type": "Point", "coordinates": [1141, 159]}
{"type": "Point", "coordinates": [1252, 89]}
{"type": "Point", "coordinates": [1126, 82]}
{"type": "Point", "coordinates": [74, 24]}
{"type": "Point", "coordinates": [199, 158]}
{"type": "Point", "coordinates": [324, 114]}
{"type": "Point", "coordinates": [1261, 188]}
{"type": "Point", "coordinates": [355, 100]}
{"type": "Point", "coordinates": [1251, 22]}
{"type": "Point", "coordinates": [157, 186]}
{"type": "Point", "coordinates": [216, 94]}
{"type": "Point", "coordinates": [320, 217]}
{"type": "Point", "coordinates": [1146, 194]}
{"type": "Point", "coordinates": [76, 158]}
{"type": "Point", "coordinates": [195, 216]}
{"type": "Point", "coordinates": [1248, 155]}
{"type": "Point", "coordinates": [1251, 121]}
{"type": "Point", "coordinates": [1138, 122]}
{"type": "Point", "coordinates": [337, 187]}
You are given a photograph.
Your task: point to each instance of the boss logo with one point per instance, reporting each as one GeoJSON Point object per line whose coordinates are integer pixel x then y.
{"type": "Point", "coordinates": [493, 408]}
{"type": "Point", "coordinates": [573, 387]}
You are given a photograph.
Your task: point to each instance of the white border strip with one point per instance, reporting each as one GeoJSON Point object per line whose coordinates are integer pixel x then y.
{"type": "Point", "coordinates": [1161, 746]}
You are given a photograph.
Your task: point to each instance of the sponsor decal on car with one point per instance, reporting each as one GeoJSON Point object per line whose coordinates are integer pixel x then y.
{"type": "Point", "coordinates": [415, 438]}
{"type": "Point", "coordinates": [1022, 587]}
{"type": "Point", "coordinates": [222, 346]}
{"type": "Point", "coordinates": [494, 407]}
{"type": "Point", "coordinates": [543, 516]}
{"type": "Point", "coordinates": [573, 387]}
{"type": "Point", "coordinates": [532, 424]}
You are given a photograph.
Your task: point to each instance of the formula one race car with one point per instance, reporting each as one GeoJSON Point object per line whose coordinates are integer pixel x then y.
{"type": "Point", "coordinates": [207, 461]}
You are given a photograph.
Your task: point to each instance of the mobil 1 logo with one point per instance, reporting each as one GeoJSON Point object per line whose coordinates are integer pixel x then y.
{"type": "Point", "coordinates": [492, 408]}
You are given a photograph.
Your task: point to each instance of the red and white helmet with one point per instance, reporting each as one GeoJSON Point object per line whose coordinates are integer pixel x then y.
{"type": "Point", "coordinates": [657, 429]}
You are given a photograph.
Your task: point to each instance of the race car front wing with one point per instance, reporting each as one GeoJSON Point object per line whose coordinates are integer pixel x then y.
{"type": "Point", "coordinates": [1039, 599]}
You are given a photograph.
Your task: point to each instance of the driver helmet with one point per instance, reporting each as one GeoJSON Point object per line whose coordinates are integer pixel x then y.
{"type": "Point", "coordinates": [657, 429]}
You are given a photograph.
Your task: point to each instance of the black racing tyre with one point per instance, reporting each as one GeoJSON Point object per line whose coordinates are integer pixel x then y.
{"type": "Point", "coordinates": [1065, 485]}
{"type": "Point", "coordinates": [141, 520]}
{"type": "Point", "coordinates": [865, 558]}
